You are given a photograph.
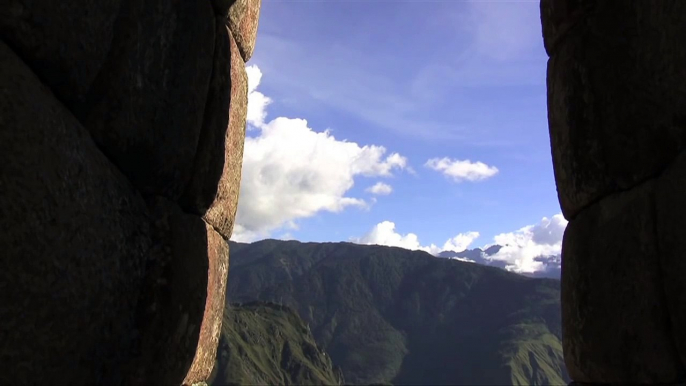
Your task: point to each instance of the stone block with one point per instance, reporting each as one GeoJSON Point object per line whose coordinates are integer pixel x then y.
{"type": "Point", "coordinates": [671, 223]}
{"type": "Point", "coordinates": [64, 42]}
{"type": "Point", "coordinates": [215, 183]}
{"type": "Point", "coordinates": [615, 109]}
{"type": "Point", "coordinates": [182, 303]}
{"type": "Point", "coordinates": [615, 320]}
{"type": "Point", "coordinates": [146, 106]}
{"type": "Point", "coordinates": [75, 236]}
{"type": "Point", "coordinates": [243, 17]}
{"type": "Point", "coordinates": [210, 331]}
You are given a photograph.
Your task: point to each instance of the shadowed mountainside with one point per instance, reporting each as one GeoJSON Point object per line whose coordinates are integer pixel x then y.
{"type": "Point", "coordinates": [392, 315]}
{"type": "Point", "coordinates": [268, 344]}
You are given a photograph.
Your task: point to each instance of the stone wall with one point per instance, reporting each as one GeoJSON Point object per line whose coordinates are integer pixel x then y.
{"type": "Point", "coordinates": [617, 118]}
{"type": "Point", "coordinates": [121, 140]}
{"type": "Point", "coordinates": [121, 137]}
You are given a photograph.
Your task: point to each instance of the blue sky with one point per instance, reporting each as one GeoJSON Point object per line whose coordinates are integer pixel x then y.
{"type": "Point", "coordinates": [415, 89]}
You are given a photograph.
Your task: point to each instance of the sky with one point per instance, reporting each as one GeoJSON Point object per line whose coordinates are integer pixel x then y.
{"type": "Point", "coordinates": [419, 124]}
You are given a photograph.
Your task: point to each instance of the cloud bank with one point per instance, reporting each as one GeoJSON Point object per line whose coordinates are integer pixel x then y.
{"type": "Point", "coordinates": [533, 249]}
{"type": "Point", "coordinates": [384, 233]}
{"type": "Point", "coordinates": [460, 242]}
{"type": "Point", "coordinates": [291, 171]}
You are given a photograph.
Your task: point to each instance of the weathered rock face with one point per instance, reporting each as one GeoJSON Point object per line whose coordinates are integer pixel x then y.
{"type": "Point", "coordinates": [121, 139]}
{"type": "Point", "coordinates": [213, 189]}
{"type": "Point", "coordinates": [146, 107]}
{"type": "Point", "coordinates": [670, 215]}
{"type": "Point", "coordinates": [616, 109]}
{"type": "Point", "coordinates": [617, 326]}
{"type": "Point", "coordinates": [66, 59]}
{"type": "Point", "coordinates": [618, 139]}
{"type": "Point", "coordinates": [75, 236]}
{"type": "Point", "coordinates": [242, 17]}
{"type": "Point", "coordinates": [181, 307]}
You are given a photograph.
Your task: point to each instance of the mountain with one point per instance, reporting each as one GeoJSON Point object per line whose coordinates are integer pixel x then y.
{"type": "Point", "coordinates": [476, 255]}
{"type": "Point", "coordinates": [268, 344]}
{"type": "Point", "coordinates": [551, 264]}
{"type": "Point", "coordinates": [387, 314]}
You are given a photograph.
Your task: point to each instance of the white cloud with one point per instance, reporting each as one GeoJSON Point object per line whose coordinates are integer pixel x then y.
{"type": "Point", "coordinates": [380, 189]}
{"type": "Point", "coordinates": [524, 250]}
{"type": "Point", "coordinates": [466, 260]}
{"type": "Point", "coordinates": [533, 249]}
{"type": "Point", "coordinates": [257, 102]}
{"type": "Point", "coordinates": [384, 233]}
{"type": "Point", "coordinates": [460, 242]}
{"type": "Point", "coordinates": [291, 171]}
{"type": "Point", "coordinates": [286, 236]}
{"type": "Point", "coordinates": [242, 235]}
{"type": "Point", "coordinates": [462, 170]}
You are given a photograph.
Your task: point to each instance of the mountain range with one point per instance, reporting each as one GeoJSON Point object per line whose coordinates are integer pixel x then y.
{"type": "Point", "coordinates": [551, 264]}
{"type": "Point", "coordinates": [387, 315]}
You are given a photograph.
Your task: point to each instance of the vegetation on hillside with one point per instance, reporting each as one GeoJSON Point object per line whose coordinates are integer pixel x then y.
{"type": "Point", "coordinates": [388, 314]}
{"type": "Point", "coordinates": [268, 344]}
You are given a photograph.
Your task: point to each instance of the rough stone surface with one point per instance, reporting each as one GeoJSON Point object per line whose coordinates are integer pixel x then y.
{"type": "Point", "coordinates": [615, 106]}
{"type": "Point", "coordinates": [104, 106]}
{"type": "Point", "coordinates": [243, 16]}
{"type": "Point", "coordinates": [221, 7]}
{"type": "Point", "coordinates": [74, 236]}
{"type": "Point", "coordinates": [616, 116]}
{"type": "Point", "coordinates": [174, 298]}
{"type": "Point", "coordinates": [615, 77]}
{"type": "Point", "coordinates": [671, 221]}
{"type": "Point", "coordinates": [558, 17]}
{"type": "Point", "coordinates": [66, 59]}
{"type": "Point", "coordinates": [145, 108]}
{"type": "Point", "coordinates": [616, 324]}
{"type": "Point", "coordinates": [210, 331]}
{"type": "Point", "coordinates": [214, 187]}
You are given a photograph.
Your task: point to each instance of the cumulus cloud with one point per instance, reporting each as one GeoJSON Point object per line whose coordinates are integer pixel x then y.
{"type": "Point", "coordinates": [241, 234]}
{"type": "Point", "coordinates": [291, 171]}
{"type": "Point", "coordinates": [384, 233]}
{"type": "Point", "coordinates": [533, 248]}
{"type": "Point", "coordinates": [257, 102]}
{"type": "Point", "coordinates": [286, 236]}
{"type": "Point", "coordinates": [460, 242]}
{"type": "Point", "coordinates": [380, 189]}
{"type": "Point", "coordinates": [462, 170]}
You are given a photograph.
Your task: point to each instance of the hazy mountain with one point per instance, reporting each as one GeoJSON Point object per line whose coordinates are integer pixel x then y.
{"type": "Point", "coordinates": [551, 264]}
{"type": "Point", "coordinates": [388, 314]}
{"type": "Point", "coordinates": [476, 255]}
{"type": "Point", "coordinates": [268, 344]}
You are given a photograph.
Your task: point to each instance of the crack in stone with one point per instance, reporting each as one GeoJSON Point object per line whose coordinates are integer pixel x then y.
{"type": "Point", "coordinates": [637, 185]}
{"type": "Point", "coordinates": [565, 28]}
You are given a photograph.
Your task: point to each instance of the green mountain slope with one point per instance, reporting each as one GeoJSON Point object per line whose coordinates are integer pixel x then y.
{"type": "Point", "coordinates": [392, 315]}
{"type": "Point", "coordinates": [268, 344]}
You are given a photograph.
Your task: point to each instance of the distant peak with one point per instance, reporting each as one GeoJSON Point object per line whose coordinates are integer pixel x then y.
{"type": "Point", "coordinates": [493, 249]}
